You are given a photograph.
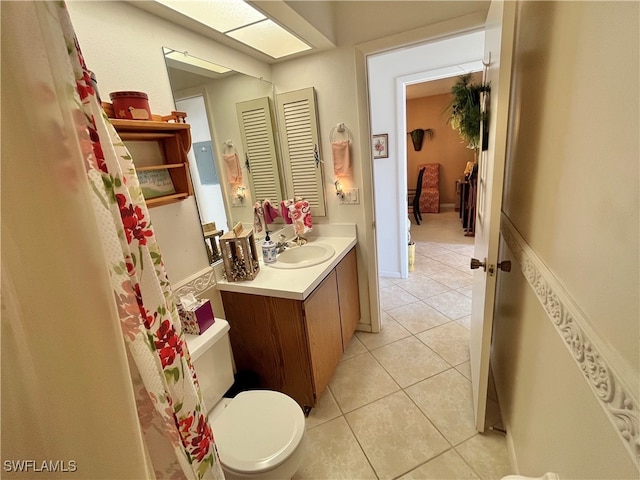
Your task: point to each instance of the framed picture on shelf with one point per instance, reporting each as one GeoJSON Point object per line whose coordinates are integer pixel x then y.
{"type": "Point", "coordinates": [155, 183]}
{"type": "Point", "coordinates": [380, 146]}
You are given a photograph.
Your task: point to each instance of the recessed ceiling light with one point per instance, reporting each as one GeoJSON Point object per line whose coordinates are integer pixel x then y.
{"type": "Point", "coordinates": [242, 22]}
{"type": "Point", "coordinates": [221, 15]}
{"type": "Point", "coordinates": [270, 38]}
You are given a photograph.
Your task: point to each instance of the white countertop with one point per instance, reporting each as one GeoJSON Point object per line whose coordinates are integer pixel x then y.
{"type": "Point", "coordinates": [298, 283]}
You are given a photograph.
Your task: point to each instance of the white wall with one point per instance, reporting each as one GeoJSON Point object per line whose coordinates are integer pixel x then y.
{"type": "Point", "coordinates": [332, 74]}
{"type": "Point", "coordinates": [572, 192]}
{"type": "Point", "coordinates": [123, 46]}
{"type": "Point", "coordinates": [390, 173]}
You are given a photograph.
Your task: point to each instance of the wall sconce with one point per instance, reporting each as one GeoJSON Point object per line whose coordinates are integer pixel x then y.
{"type": "Point", "coordinates": [240, 192]}
{"type": "Point", "coordinates": [339, 189]}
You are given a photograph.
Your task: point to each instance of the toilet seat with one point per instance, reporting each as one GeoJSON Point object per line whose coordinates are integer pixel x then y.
{"type": "Point", "coordinates": [258, 430]}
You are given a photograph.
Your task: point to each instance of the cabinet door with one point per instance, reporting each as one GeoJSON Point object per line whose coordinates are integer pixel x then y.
{"type": "Point", "coordinates": [322, 316]}
{"type": "Point", "coordinates": [300, 138]}
{"type": "Point", "coordinates": [348, 296]}
{"type": "Point", "coordinates": [268, 338]}
{"type": "Point", "coordinates": [258, 141]}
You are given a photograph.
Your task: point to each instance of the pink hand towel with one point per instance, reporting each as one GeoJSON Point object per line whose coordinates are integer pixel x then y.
{"type": "Point", "coordinates": [232, 167]}
{"type": "Point", "coordinates": [284, 209]}
{"type": "Point", "coordinates": [270, 213]}
{"type": "Point", "coordinates": [341, 158]}
{"type": "Point", "coordinates": [300, 213]}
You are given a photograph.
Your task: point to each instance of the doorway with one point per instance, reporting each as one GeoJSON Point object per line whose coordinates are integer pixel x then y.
{"type": "Point", "coordinates": [203, 170]}
{"type": "Point", "coordinates": [388, 74]}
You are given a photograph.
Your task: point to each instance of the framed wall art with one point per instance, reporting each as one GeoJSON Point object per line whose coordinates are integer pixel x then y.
{"type": "Point", "coordinates": [155, 183]}
{"type": "Point", "coordinates": [380, 146]}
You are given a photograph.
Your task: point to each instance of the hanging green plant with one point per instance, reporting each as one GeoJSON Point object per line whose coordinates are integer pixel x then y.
{"type": "Point", "coordinates": [466, 115]}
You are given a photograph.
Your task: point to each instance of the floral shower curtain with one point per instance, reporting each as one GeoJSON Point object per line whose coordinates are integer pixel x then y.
{"type": "Point", "coordinates": [177, 438]}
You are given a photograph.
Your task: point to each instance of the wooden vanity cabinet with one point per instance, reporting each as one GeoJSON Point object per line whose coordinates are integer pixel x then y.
{"type": "Point", "coordinates": [294, 346]}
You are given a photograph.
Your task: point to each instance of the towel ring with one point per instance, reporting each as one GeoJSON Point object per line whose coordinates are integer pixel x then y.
{"type": "Point", "coordinates": [341, 128]}
{"type": "Point", "coordinates": [228, 147]}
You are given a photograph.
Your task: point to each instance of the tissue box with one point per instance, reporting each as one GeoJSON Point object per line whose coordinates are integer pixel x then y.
{"type": "Point", "coordinates": [196, 319]}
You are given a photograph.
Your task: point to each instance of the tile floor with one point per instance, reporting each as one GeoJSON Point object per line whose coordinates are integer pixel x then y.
{"type": "Point", "coordinates": [400, 402]}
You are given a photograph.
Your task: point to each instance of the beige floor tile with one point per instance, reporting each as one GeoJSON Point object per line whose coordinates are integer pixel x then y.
{"type": "Point", "coordinates": [428, 266]}
{"type": "Point", "coordinates": [450, 341]}
{"type": "Point", "coordinates": [421, 286]}
{"type": "Point", "coordinates": [452, 277]}
{"type": "Point", "coordinates": [332, 452]}
{"type": "Point", "coordinates": [465, 369]}
{"type": "Point", "coordinates": [433, 250]}
{"type": "Point", "coordinates": [452, 259]}
{"type": "Point", "coordinates": [409, 360]}
{"type": "Point", "coordinates": [327, 409]}
{"type": "Point", "coordinates": [446, 399]}
{"type": "Point", "coordinates": [390, 331]}
{"type": "Point", "coordinates": [394, 435]}
{"type": "Point", "coordinates": [448, 466]}
{"type": "Point", "coordinates": [394, 296]}
{"type": "Point", "coordinates": [466, 290]}
{"type": "Point", "coordinates": [418, 317]}
{"type": "Point", "coordinates": [452, 304]}
{"type": "Point", "coordinates": [465, 322]}
{"type": "Point", "coordinates": [461, 248]}
{"type": "Point", "coordinates": [385, 282]}
{"type": "Point", "coordinates": [360, 380]}
{"type": "Point", "coordinates": [354, 348]}
{"type": "Point", "coordinates": [487, 454]}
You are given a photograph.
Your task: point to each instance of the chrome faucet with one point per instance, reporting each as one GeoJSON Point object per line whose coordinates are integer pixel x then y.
{"type": "Point", "coordinates": [281, 244]}
{"type": "Point", "coordinates": [300, 240]}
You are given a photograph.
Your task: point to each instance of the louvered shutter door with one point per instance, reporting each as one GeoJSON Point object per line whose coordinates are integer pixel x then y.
{"type": "Point", "coordinates": [301, 148]}
{"type": "Point", "coordinates": [258, 141]}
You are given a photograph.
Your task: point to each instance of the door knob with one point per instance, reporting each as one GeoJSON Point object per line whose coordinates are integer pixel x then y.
{"type": "Point", "coordinates": [505, 265]}
{"type": "Point", "coordinates": [475, 264]}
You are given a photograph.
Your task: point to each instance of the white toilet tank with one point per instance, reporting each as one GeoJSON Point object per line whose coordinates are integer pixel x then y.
{"type": "Point", "coordinates": [213, 361]}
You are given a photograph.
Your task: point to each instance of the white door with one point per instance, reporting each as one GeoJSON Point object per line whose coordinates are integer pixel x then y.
{"type": "Point", "coordinates": [499, 37]}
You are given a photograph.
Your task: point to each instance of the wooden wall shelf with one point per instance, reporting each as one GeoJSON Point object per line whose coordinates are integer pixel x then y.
{"type": "Point", "coordinates": [174, 140]}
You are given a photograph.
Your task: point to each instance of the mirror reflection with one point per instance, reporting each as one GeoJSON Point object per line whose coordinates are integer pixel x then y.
{"type": "Point", "coordinates": [234, 160]}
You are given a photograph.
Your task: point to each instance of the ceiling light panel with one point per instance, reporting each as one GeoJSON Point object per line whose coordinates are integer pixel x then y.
{"type": "Point", "coordinates": [221, 15]}
{"type": "Point", "coordinates": [270, 38]}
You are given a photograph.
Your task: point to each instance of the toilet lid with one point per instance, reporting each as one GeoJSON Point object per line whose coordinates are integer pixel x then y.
{"type": "Point", "coordinates": [258, 430]}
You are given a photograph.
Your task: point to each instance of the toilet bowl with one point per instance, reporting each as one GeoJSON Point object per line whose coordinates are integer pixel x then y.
{"type": "Point", "coordinates": [259, 434]}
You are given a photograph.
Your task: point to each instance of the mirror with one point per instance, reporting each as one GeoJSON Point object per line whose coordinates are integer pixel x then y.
{"type": "Point", "coordinates": [215, 99]}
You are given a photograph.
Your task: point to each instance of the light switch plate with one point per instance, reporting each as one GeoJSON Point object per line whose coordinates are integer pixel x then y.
{"type": "Point", "coordinates": [351, 197]}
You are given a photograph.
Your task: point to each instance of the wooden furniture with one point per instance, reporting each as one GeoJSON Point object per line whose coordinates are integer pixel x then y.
{"type": "Point", "coordinates": [168, 145]}
{"type": "Point", "coordinates": [210, 233]}
{"type": "Point", "coordinates": [430, 198]}
{"type": "Point", "coordinates": [294, 345]}
{"type": "Point", "coordinates": [239, 255]}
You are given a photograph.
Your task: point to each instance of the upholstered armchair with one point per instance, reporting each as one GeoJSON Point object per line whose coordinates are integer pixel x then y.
{"type": "Point", "coordinates": [430, 197]}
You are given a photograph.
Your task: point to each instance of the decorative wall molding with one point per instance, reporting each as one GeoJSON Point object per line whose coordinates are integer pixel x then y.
{"type": "Point", "coordinates": [198, 283]}
{"type": "Point", "coordinates": [616, 399]}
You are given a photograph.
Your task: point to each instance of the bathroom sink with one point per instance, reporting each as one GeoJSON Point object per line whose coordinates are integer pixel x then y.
{"type": "Point", "coordinates": [304, 256]}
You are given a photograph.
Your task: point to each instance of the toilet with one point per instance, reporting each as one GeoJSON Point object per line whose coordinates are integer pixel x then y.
{"type": "Point", "coordinates": [259, 434]}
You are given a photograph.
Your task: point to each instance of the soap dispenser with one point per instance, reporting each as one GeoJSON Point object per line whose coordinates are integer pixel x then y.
{"type": "Point", "coordinates": [268, 250]}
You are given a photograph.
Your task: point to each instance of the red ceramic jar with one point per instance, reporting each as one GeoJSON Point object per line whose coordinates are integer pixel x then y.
{"type": "Point", "coordinates": [131, 105]}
